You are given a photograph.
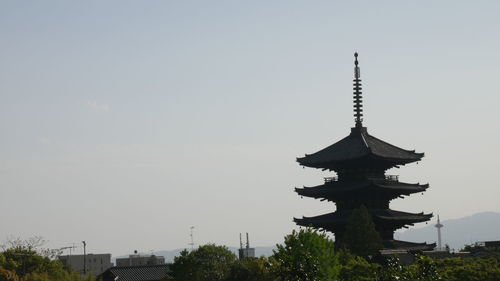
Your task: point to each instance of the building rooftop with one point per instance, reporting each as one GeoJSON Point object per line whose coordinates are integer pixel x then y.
{"type": "Point", "coordinates": [137, 273]}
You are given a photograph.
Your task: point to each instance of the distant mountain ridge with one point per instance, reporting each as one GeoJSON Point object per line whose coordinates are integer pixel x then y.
{"type": "Point", "coordinates": [456, 233]}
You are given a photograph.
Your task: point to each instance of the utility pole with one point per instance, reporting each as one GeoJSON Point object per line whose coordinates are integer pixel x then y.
{"type": "Point", "coordinates": [84, 258]}
{"type": "Point", "coordinates": [71, 249]}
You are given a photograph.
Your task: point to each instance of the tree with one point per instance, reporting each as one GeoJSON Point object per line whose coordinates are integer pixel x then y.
{"type": "Point", "coordinates": [469, 269]}
{"type": "Point", "coordinates": [395, 271]}
{"type": "Point", "coordinates": [360, 236]}
{"type": "Point", "coordinates": [306, 255]}
{"type": "Point", "coordinates": [30, 262]}
{"type": "Point", "coordinates": [7, 275]}
{"type": "Point", "coordinates": [251, 269]}
{"type": "Point", "coordinates": [207, 263]}
{"type": "Point", "coordinates": [356, 268]}
{"type": "Point", "coordinates": [34, 244]}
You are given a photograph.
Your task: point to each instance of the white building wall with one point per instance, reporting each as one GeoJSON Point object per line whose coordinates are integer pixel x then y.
{"type": "Point", "coordinates": [95, 263]}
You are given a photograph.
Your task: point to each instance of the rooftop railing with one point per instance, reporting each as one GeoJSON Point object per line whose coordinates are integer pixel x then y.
{"type": "Point", "coordinates": [331, 179]}
{"type": "Point", "coordinates": [387, 177]}
{"type": "Point", "coordinates": [392, 177]}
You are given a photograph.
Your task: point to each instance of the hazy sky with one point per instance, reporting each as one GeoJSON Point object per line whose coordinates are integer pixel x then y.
{"type": "Point", "coordinates": [123, 123]}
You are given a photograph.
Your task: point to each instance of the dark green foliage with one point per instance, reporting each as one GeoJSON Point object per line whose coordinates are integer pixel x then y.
{"type": "Point", "coordinates": [305, 256]}
{"type": "Point", "coordinates": [360, 236]}
{"type": "Point", "coordinates": [424, 269]}
{"type": "Point", "coordinates": [395, 271]}
{"type": "Point", "coordinates": [469, 269]}
{"type": "Point", "coordinates": [251, 269]}
{"type": "Point", "coordinates": [449, 269]}
{"type": "Point", "coordinates": [29, 265]}
{"type": "Point", "coordinates": [356, 268]}
{"type": "Point", "coordinates": [25, 260]}
{"type": "Point", "coordinates": [207, 263]}
{"type": "Point", "coordinates": [7, 275]}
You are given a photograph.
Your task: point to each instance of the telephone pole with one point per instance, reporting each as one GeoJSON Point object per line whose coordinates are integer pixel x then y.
{"type": "Point", "coordinates": [84, 258]}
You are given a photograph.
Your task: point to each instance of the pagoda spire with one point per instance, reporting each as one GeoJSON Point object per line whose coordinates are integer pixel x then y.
{"type": "Point", "coordinates": [358, 99]}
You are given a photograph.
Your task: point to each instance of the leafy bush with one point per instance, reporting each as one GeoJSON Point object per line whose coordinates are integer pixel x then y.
{"type": "Point", "coordinates": [207, 263]}
{"type": "Point", "coordinates": [306, 255]}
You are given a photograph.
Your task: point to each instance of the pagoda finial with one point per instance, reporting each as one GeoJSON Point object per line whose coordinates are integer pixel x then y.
{"type": "Point", "coordinates": [358, 101]}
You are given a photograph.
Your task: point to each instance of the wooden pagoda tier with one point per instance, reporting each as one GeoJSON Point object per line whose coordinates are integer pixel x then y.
{"type": "Point", "coordinates": [339, 191]}
{"type": "Point", "coordinates": [386, 221]}
{"type": "Point", "coordinates": [360, 151]}
{"type": "Point", "coordinates": [360, 161]}
{"type": "Point", "coordinates": [405, 245]}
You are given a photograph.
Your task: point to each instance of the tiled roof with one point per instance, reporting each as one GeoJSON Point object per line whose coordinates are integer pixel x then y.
{"type": "Point", "coordinates": [138, 273]}
{"type": "Point", "coordinates": [359, 145]}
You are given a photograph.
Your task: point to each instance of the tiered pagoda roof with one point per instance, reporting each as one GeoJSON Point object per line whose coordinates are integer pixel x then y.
{"type": "Point", "coordinates": [395, 219]}
{"type": "Point", "coordinates": [334, 190]}
{"type": "Point", "coordinates": [359, 146]}
{"type": "Point", "coordinates": [360, 161]}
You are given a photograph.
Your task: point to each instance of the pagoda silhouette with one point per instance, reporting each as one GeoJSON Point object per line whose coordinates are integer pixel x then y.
{"type": "Point", "coordinates": [360, 161]}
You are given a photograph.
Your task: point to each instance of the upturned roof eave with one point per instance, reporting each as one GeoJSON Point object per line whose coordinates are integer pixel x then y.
{"type": "Point", "coordinates": [383, 183]}
{"type": "Point", "coordinates": [406, 245]}
{"type": "Point", "coordinates": [332, 164]}
{"type": "Point", "coordinates": [415, 154]}
{"type": "Point", "coordinates": [362, 144]}
{"type": "Point", "coordinates": [332, 218]}
{"type": "Point", "coordinates": [327, 191]}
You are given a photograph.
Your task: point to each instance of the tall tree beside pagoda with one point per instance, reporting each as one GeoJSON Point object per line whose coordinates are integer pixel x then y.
{"type": "Point", "coordinates": [360, 235]}
{"type": "Point", "coordinates": [360, 162]}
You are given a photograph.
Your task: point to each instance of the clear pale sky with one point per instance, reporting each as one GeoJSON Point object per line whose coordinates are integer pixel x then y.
{"type": "Point", "coordinates": [123, 123]}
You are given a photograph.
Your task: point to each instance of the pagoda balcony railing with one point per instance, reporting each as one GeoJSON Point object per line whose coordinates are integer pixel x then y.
{"type": "Point", "coordinates": [386, 177]}
{"type": "Point", "coordinates": [331, 179]}
{"type": "Point", "coordinates": [392, 177]}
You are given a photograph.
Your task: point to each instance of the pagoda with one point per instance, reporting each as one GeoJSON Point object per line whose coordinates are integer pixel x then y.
{"type": "Point", "coordinates": [360, 161]}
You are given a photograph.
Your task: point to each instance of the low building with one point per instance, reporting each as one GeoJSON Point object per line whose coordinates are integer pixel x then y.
{"type": "Point", "coordinates": [139, 260]}
{"type": "Point", "coordinates": [406, 257]}
{"type": "Point", "coordinates": [137, 273]}
{"type": "Point", "coordinates": [491, 244]}
{"type": "Point", "coordinates": [484, 249]}
{"type": "Point", "coordinates": [93, 264]}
